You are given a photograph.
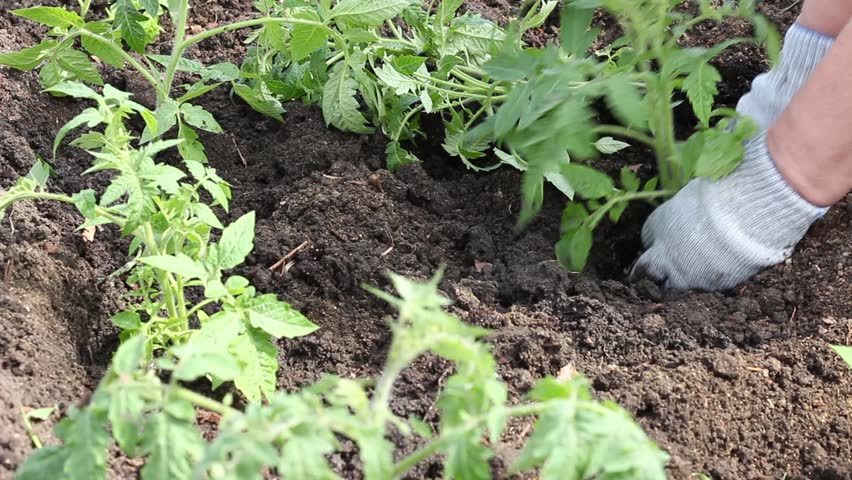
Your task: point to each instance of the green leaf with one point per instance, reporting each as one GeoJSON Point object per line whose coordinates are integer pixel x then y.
{"type": "Point", "coordinates": [86, 203]}
{"type": "Point", "coordinates": [307, 38]}
{"type": "Point", "coordinates": [258, 358]}
{"type": "Point", "coordinates": [624, 99]}
{"type": "Point", "coordinates": [573, 249]}
{"type": "Point", "coordinates": [845, 353]}
{"type": "Point", "coordinates": [588, 182]}
{"type": "Point", "coordinates": [206, 215]}
{"type": "Point", "coordinates": [339, 106]}
{"type": "Point", "coordinates": [367, 12]}
{"type": "Point", "coordinates": [260, 100]}
{"type": "Point", "coordinates": [199, 117]}
{"type": "Point", "coordinates": [50, 16]}
{"type": "Point", "coordinates": [573, 216]}
{"type": "Point", "coordinates": [575, 33]}
{"type": "Point", "coordinates": [200, 358]}
{"type": "Point", "coordinates": [90, 116]}
{"type": "Point", "coordinates": [43, 463]}
{"type": "Point", "coordinates": [151, 7]}
{"type": "Point", "coordinates": [127, 320]}
{"type": "Point", "coordinates": [102, 48]}
{"type": "Point", "coordinates": [629, 180]}
{"type": "Point", "coordinates": [700, 86]}
{"type": "Point", "coordinates": [236, 243]}
{"type": "Point", "coordinates": [79, 64]}
{"type": "Point", "coordinates": [398, 156]}
{"type": "Point", "coordinates": [609, 145]}
{"type": "Point", "coordinates": [40, 413]}
{"type": "Point", "coordinates": [447, 12]}
{"type": "Point", "coordinates": [28, 58]}
{"type": "Point", "coordinates": [277, 318]}
{"type": "Point", "coordinates": [40, 172]}
{"type": "Point", "coordinates": [171, 443]}
{"type": "Point", "coordinates": [179, 264]}
{"type": "Point", "coordinates": [190, 149]}
{"type": "Point", "coordinates": [86, 440]}
{"type": "Point", "coordinates": [129, 22]}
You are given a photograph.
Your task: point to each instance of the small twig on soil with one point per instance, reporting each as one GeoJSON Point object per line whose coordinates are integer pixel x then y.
{"type": "Point", "coordinates": [339, 235]}
{"type": "Point", "coordinates": [392, 243]}
{"type": "Point", "coordinates": [795, 310]}
{"type": "Point", "coordinates": [7, 270]}
{"type": "Point", "coordinates": [242, 158]}
{"type": "Point", "coordinates": [283, 261]}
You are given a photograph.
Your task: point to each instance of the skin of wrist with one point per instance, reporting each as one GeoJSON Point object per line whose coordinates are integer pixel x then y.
{"type": "Point", "coordinates": [822, 180]}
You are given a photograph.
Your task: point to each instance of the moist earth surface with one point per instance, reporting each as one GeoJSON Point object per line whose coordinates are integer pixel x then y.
{"type": "Point", "coordinates": [735, 385]}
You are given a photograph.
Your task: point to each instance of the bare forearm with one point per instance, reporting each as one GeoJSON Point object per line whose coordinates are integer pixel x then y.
{"type": "Point", "coordinates": [812, 140]}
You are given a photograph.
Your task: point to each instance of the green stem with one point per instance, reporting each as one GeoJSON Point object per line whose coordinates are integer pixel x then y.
{"type": "Point", "coordinates": [395, 30]}
{"type": "Point", "coordinates": [244, 24]}
{"type": "Point", "coordinates": [335, 58]}
{"type": "Point", "coordinates": [204, 402]}
{"type": "Point", "coordinates": [595, 218]}
{"type": "Point", "coordinates": [626, 133]}
{"type": "Point", "coordinates": [433, 447]}
{"type": "Point", "coordinates": [162, 276]}
{"type": "Point", "coordinates": [145, 72]}
{"type": "Point", "coordinates": [177, 50]}
{"type": "Point", "coordinates": [192, 311]}
{"type": "Point", "coordinates": [420, 108]}
{"type": "Point", "coordinates": [465, 88]}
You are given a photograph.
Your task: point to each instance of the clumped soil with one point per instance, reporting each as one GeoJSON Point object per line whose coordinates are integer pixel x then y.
{"type": "Point", "coordinates": [737, 385]}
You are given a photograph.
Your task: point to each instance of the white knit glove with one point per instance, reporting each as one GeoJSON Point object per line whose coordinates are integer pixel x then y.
{"type": "Point", "coordinates": [715, 235]}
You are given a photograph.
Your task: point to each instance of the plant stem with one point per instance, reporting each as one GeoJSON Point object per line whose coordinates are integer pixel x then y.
{"type": "Point", "coordinates": [625, 132]}
{"type": "Point", "coordinates": [149, 76]}
{"type": "Point", "coordinates": [204, 402]}
{"type": "Point", "coordinates": [177, 51]}
{"type": "Point", "coordinates": [421, 454]}
{"type": "Point", "coordinates": [595, 218]}
{"type": "Point", "coordinates": [394, 30]}
{"type": "Point", "coordinates": [466, 88]}
{"type": "Point", "coordinates": [188, 42]}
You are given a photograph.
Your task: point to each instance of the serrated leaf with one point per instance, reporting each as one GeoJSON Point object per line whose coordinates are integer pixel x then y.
{"type": "Point", "coordinates": [588, 182]}
{"type": "Point", "coordinates": [206, 215]}
{"type": "Point", "coordinates": [277, 318]}
{"type": "Point", "coordinates": [79, 64]}
{"type": "Point", "coordinates": [339, 106]}
{"type": "Point", "coordinates": [624, 99]}
{"type": "Point", "coordinates": [609, 145]}
{"type": "Point", "coordinates": [367, 12]}
{"type": "Point", "coordinates": [260, 100]}
{"type": "Point", "coordinates": [128, 20]}
{"type": "Point", "coordinates": [101, 47]}
{"type": "Point", "coordinates": [28, 58]}
{"type": "Point", "coordinates": [179, 264]}
{"type": "Point", "coordinates": [701, 88]}
{"type": "Point", "coordinates": [236, 243]}
{"type": "Point", "coordinates": [258, 358]}
{"type": "Point", "coordinates": [190, 149]}
{"type": "Point", "coordinates": [307, 38]}
{"type": "Point", "coordinates": [50, 16]}
{"type": "Point", "coordinates": [573, 249]}
{"type": "Point", "coordinates": [89, 116]}
{"type": "Point", "coordinates": [199, 117]}
{"type": "Point", "coordinates": [86, 440]}
{"type": "Point", "coordinates": [200, 358]}
{"type": "Point", "coordinates": [398, 156]}
{"type": "Point", "coordinates": [576, 34]}
{"type": "Point", "coordinates": [172, 445]}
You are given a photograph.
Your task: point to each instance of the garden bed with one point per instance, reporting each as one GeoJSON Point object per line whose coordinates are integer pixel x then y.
{"type": "Point", "coordinates": [740, 385]}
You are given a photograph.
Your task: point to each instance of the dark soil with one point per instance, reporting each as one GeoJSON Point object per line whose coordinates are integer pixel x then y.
{"type": "Point", "coordinates": [738, 385]}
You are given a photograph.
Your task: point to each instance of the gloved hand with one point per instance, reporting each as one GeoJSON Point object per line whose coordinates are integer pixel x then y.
{"type": "Point", "coordinates": [715, 235]}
